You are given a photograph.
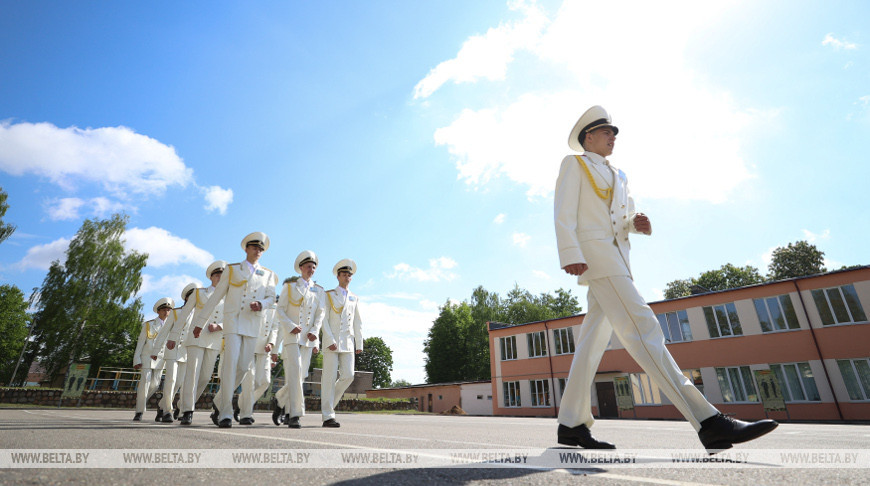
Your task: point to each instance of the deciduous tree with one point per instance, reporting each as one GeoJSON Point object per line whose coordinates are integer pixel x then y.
{"type": "Point", "coordinates": [796, 260]}
{"type": "Point", "coordinates": [376, 357]}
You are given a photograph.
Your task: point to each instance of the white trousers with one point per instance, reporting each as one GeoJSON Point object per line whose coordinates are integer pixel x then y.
{"type": "Point", "coordinates": [236, 359]}
{"type": "Point", "coordinates": [254, 384]}
{"type": "Point", "coordinates": [291, 396]}
{"type": "Point", "coordinates": [616, 305]}
{"type": "Point", "coordinates": [149, 380]}
{"type": "Point", "coordinates": [200, 367]}
{"type": "Point", "coordinates": [335, 365]}
{"type": "Point", "coordinates": [172, 383]}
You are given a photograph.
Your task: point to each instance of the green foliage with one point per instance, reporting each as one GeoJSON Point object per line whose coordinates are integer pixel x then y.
{"type": "Point", "coordinates": [14, 321]}
{"type": "Point", "coordinates": [6, 229]}
{"type": "Point", "coordinates": [376, 357]}
{"type": "Point", "coordinates": [85, 311]}
{"type": "Point", "coordinates": [679, 288]}
{"type": "Point", "coordinates": [727, 277]}
{"type": "Point", "coordinates": [400, 383]}
{"type": "Point", "coordinates": [457, 347]}
{"type": "Point", "coordinates": [796, 260]}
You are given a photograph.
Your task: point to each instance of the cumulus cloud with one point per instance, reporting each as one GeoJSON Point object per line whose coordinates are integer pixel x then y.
{"type": "Point", "coordinates": [500, 218]}
{"type": "Point", "coordinates": [541, 275]}
{"type": "Point", "coordinates": [524, 137]}
{"type": "Point", "coordinates": [521, 239]}
{"type": "Point", "coordinates": [838, 44]}
{"type": "Point", "coordinates": [404, 331]}
{"type": "Point", "coordinates": [69, 208]}
{"type": "Point", "coordinates": [164, 248]}
{"type": "Point", "coordinates": [439, 269]}
{"type": "Point", "coordinates": [166, 286]}
{"type": "Point", "coordinates": [217, 198]}
{"type": "Point", "coordinates": [41, 256]}
{"type": "Point", "coordinates": [812, 237]}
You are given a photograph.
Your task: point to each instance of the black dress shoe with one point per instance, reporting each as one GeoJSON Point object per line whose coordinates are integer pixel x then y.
{"type": "Point", "coordinates": [159, 416]}
{"type": "Point", "coordinates": [175, 413]}
{"type": "Point", "coordinates": [137, 417]}
{"type": "Point", "coordinates": [214, 415]}
{"type": "Point", "coordinates": [225, 424]}
{"type": "Point", "coordinates": [285, 419]}
{"type": "Point", "coordinates": [720, 431]}
{"type": "Point", "coordinates": [246, 421]}
{"type": "Point", "coordinates": [581, 436]}
{"type": "Point", "coordinates": [277, 412]}
{"type": "Point", "coordinates": [187, 418]}
{"type": "Point", "coordinates": [293, 423]}
{"type": "Point", "coordinates": [330, 423]}
{"type": "Point", "coordinates": [236, 414]}
{"type": "Point", "coordinates": [167, 418]}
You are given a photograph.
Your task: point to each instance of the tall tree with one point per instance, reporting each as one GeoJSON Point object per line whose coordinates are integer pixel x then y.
{"type": "Point", "coordinates": [727, 277]}
{"type": "Point", "coordinates": [86, 311]}
{"type": "Point", "coordinates": [6, 229]}
{"type": "Point", "coordinates": [376, 357]}
{"type": "Point", "coordinates": [796, 260]}
{"type": "Point", "coordinates": [14, 320]}
{"type": "Point", "coordinates": [679, 288]}
{"type": "Point", "coordinates": [445, 346]}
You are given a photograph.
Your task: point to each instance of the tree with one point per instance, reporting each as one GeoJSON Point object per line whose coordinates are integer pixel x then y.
{"type": "Point", "coordinates": [6, 229]}
{"type": "Point", "coordinates": [86, 311]}
{"type": "Point", "coordinates": [376, 357]}
{"type": "Point", "coordinates": [445, 346]}
{"type": "Point", "coordinates": [679, 288]}
{"type": "Point", "coordinates": [727, 277]}
{"type": "Point", "coordinates": [796, 260]}
{"type": "Point", "coordinates": [400, 383]}
{"type": "Point", "coordinates": [14, 321]}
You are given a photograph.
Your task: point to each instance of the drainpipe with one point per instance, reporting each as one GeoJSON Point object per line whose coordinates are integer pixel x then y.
{"type": "Point", "coordinates": [550, 360]}
{"type": "Point", "coordinates": [818, 350]}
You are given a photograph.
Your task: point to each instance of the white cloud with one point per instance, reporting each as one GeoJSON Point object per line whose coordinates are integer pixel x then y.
{"type": "Point", "coordinates": [429, 305]}
{"type": "Point", "coordinates": [439, 269]}
{"type": "Point", "coordinates": [117, 158]}
{"type": "Point", "coordinates": [521, 239]}
{"type": "Point", "coordinates": [69, 208]}
{"type": "Point", "coordinates": [41, 256]}
{"type": "Point", "coordinates": [500, 218]}
{"type": "Point", "coordinates": [541, 275]}
{"type": "Point", "coordinates": [838, 44]}
{"type": "Point", "coordinates": [403, 330]}
{"type": "Point", "coordinates": [163, 248]}
{"type": "Point", "coordinates": [165, 286]}
{"type": "Point", "coordinates": [217, 198]}
{"type": "Point", "coordinates": [524, 138]}
{"type": "Point", "coordinates": [812, 237]}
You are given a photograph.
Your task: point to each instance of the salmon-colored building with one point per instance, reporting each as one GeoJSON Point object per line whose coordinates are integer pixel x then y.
{"type": "Point", "coordinates": [811, 334]}
{"type": "Point", "coordinates": [473, 397]}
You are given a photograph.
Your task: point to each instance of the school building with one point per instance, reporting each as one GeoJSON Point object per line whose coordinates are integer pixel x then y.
{"type": "Point", "coordinates": [796, 349]}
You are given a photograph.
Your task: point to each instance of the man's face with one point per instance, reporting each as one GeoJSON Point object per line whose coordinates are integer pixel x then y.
{"type": "Point", "coordinates": [216, 277]}
{"type": "Point", "coordinates": [344, 278]}
{"type": "Point", "coordinates": [253, 252]}
{"type": "Point", "coordinates": [307, 269]}
{"type": "Point", "coordinates": [163, 312]}
{"type": "Point", "coordinates": [600, 141]}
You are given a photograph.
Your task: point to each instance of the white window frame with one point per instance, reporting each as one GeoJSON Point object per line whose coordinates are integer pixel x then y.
{"type": "Point", "coordinates": [741, 378]}
{"type": "Point", "coordinates": [562, 336]}
{"type": "Point", "coordinates": [644, 390]}
{"type": "Point", "coordinates": [832, 312]}
{"type": "Point", "coordinates": [726, 308]}
{"type": "Point", "coordinates": [508, 351]}
{"type": "Point", "coordinates": [863, 389]}
{"type": "Point", "coordinates": [512, 394]}
{"type": "Point", "coordinates": [764, 302]}
{"type": "Point", "coordinates": [787, 385]}
{"type": "Point", "coordinates": [542, 388]}
{"type": "Point", "coordinates": [679, 315]}
{"type": "Point", "coordinates": [539, 338]}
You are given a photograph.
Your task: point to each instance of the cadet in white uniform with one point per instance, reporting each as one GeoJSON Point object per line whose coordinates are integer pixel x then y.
{"type": "Point", "coordinates": [300, 311]}
{"type": "Point", "coordinates": [247, 289]}
{"type": "Point", "coordinates": [255, 381]}
{"type": "Point", "coordinates": [342, 337]}
{"type": "Point", "coordinates": [175, 357]}
{"type": "Point", "coordinates": [148, 358]}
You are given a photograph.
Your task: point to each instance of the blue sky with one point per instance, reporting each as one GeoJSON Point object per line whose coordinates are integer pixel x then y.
{"type": "Point", "coordinates": [423, 139]}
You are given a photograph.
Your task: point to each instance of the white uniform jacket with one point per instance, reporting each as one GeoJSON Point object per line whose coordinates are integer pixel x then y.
{"type": "Point", "coordinates": [182, 329]}
{"type": "Point", "coordinates": [145, 346]}
{"type": "Point", "coordinates": [268, 333]}
{"type": "Point", "coordinates": [342, 325]}
{"type": "Point", "coordinates": [301, 306]}
{"type": "Point", "coordinates": [239, 287]}
{"type": "Point", "coordinates": [590, 229]}
{"type": "Point", "coordinates": [176, 319]}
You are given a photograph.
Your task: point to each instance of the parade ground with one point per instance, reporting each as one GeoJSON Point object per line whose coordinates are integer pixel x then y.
{"type": "Point", "coordinates": [90, 446]}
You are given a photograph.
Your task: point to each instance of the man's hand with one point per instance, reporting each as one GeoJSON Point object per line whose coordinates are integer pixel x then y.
{"type": "Point", "coordinates": [153, 357]}
{"type": "Point", "coordinates": [296, 330]}
{"type": "Point", "coordinates": [576, 268]}
{"type": "Point", "coordinates": [256, 306]}
{"type": "Point", "coordinates": [136, 367]}
{"type": "Point", "coordinates": [268, 347]}
{"type": "Point", "coordinates": [642, 224]}
{"type": "Point", "coordinates": [312, 337]}
{"type": "Point", "coordinates": [197, 330]}
{"type": "Point", "coordinates": [315, 350]}
{"type": "Point", "coordinates": [358, 351]}
{"type": "Point", "coordinates": [214, 327]}
{"type": "Point", "coordinates": [170, 344]}
{"type": "Point", "coordinates": [274, 358]}
{"type": "Point", "coordinates": [333, 347]}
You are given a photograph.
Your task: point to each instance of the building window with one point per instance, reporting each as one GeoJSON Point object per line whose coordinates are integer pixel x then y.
{"type": "Point", "coordinates": [512, 394]}
{"type": "Point", "coordinates": [563, 340]}
{"type": "Point", "coordinates": [776, 313]}
{"type": "Point", "coordinates": [537, 344]}
{"type": "Point", "coordinates": [737, 384]}
{"type": "Point", "coordinates": [796, 380]}
{"type": "Point", "coordinates": [839, 305]}
{"type": "Point", "coordinates": [480, 397]}
{"type": "Point", "coordinates": [508, 348]}
{"type": "Point", "coordinates": [856, 374]}
{"type": "Point", "coordinates": [675, 326]}
{"type": "Point", "coordinates": [540, 393]}
{"type": "Point", "coordinates": [644, 390]}
{"type": "Point", "coordinates": [722, 320]}
{"type": "Point", "coordinates": [695, 378]}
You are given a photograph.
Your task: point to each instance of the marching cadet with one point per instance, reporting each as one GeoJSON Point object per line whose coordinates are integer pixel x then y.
{"type": "Point", "coordinates": [202, 349]}
{"type": "Point", "coordinates": [342, 336]}
{"type": "Point", "coordinates": [174, 358]}
{"type": "Point", "coordinates": [255, 381]}
{"type": "Point", "coordinates": [247, 289]}
{"type": "Point", "coordinates": [148, 358]}
{"type": "Point", "coordinates": [300, 311]}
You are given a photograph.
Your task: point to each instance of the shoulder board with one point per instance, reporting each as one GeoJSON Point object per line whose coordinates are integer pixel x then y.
{"type": "Point", "coordinates": [317, 286]}
{"type": "Point", "coordinates": [328, 291]}
{"type": "Point", "coordinates": [264, 268]}
{"type": "Point", "coordinates": [291, 279]}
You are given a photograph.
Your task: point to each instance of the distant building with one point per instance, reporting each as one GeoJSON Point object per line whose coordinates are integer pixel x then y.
{"type": "Point", "coordinates": [811, 333]}
{"type": "Point", "coordinates": [473, 397]}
